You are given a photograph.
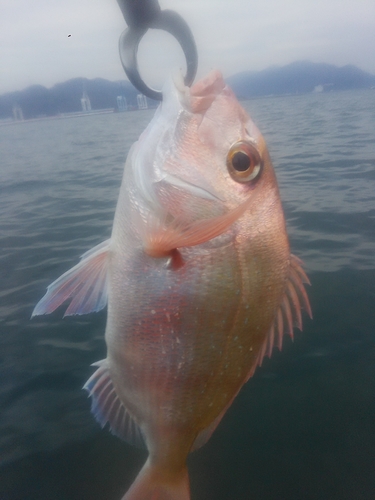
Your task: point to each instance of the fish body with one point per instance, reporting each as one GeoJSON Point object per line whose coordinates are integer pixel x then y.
{"type": "Point", "coordinates": [198, 277]}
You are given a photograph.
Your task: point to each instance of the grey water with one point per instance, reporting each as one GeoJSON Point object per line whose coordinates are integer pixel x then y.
{"type": "Point", "coordinates": [304, 425]}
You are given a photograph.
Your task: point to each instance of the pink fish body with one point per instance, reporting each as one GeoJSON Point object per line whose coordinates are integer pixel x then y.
{"type": "Point", "coordinates": [198, 277]}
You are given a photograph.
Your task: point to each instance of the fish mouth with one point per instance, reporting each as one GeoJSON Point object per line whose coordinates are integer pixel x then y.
{"type": "Point", "coordinates": [206, 192]}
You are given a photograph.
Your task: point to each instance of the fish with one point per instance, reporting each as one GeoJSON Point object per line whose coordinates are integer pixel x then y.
{"type": "Point", "coordinates": [198, 278]}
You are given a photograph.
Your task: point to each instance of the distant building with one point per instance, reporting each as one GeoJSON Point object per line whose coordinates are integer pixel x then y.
{"type": "Point", "coordinates": [322, 88]}
{"type": "Point", "coordinates": [122, 105]}
{"type": "Point", "coordinates": [318, 88]}
{"type": "Point", "coordinates": [142, 101]}
{"type": "Point", "coordinates": [85, 102]}
{"type": "Point", "coordinates": [17, 112]}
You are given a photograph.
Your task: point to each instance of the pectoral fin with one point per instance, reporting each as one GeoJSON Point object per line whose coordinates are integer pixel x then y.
{"type": "Point", "coordinates": [160, 241]}
{"type": "Point", "coordinates": [85, 284]}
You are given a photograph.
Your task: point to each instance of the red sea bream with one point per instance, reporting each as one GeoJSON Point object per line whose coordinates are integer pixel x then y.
{"type": "Point", "coordinates": [198, 277]}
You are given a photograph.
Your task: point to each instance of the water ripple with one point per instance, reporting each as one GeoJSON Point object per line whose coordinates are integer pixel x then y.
{"type": "Point", "coordinates": [59, 184]}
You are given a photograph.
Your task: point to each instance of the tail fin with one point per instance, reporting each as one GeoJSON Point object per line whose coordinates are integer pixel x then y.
{"type": "Point", "coordinates": [150, 485]}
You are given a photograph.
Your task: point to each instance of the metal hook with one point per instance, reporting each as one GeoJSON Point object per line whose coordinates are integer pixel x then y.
{"type": "Point", "coordinates": [142, 16]}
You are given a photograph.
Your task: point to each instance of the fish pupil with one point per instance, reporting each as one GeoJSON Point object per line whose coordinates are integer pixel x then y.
{"type": "Point", "coordinates": [241, 161]}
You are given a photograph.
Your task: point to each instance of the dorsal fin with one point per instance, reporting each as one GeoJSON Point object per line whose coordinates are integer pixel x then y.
{"type": "Point", "coordinates": [205, 435]}
{"type": "Point", "coordinates": [85, 284]}
{"type": "Point", "coordinates": [108, 408]}
{"type": "Point", "coordinates": [288, 313]}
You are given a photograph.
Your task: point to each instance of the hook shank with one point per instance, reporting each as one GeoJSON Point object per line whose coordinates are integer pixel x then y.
{"type": "Point", "coordinates": [145, 14]}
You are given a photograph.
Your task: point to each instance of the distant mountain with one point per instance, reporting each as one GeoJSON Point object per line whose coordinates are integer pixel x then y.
{"type": "Point", "coordinates": [299, 78]}
{"type": "Point", "coordinates": [296, 78]}
{"type": "Point", "coordinates": [66, 97]}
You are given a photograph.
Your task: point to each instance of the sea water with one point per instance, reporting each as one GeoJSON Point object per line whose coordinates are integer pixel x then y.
{"type": "Point", "coordinates": [304, 426]}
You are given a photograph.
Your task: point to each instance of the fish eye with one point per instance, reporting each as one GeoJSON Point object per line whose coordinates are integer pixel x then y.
{"type": "Point", "coordinates": [244, 162]}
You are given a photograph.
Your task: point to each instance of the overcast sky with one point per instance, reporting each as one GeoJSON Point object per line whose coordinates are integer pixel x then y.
{"type": "Point", "coordinates": [231, 35]}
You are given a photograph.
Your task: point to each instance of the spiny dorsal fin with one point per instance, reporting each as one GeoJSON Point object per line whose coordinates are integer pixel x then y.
{"type": "Point", "coordinates": [107, 406]}
{"type": "Point", "coordinates": [288, 313]}
{"type": "Point", "coordinates": [85, 284]}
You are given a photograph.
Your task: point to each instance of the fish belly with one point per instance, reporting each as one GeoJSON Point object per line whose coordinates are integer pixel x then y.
{"type": "Point", "coordinates": [182, 342]}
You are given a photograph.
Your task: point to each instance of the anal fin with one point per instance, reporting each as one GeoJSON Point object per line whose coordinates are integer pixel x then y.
{"type": "Point", "coordinates": [108, 408]}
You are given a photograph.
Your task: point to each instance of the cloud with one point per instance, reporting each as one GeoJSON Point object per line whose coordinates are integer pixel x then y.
{"type": "Point", "coordinates": [233, 35]}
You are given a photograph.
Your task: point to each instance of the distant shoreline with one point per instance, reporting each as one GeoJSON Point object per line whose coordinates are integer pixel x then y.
{"type": "Point", "coordinates": [79, 95]}
{"type": "Point", "coordinates": [81, 114]}
{"type": "Point", "coordinates": [64, 116]}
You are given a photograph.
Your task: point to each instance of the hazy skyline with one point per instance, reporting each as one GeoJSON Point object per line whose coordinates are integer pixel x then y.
{"type": "Point", "coordinates": [233, 36]}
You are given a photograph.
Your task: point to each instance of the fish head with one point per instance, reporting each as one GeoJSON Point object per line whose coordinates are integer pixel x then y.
{"type": "Point", "coordinates": [203, 142]}
{"type": "Point", "coordinates": [202, 156]}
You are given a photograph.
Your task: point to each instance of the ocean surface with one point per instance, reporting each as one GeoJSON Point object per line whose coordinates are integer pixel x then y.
{"type": "Point", "coordinates": [303, 428]}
